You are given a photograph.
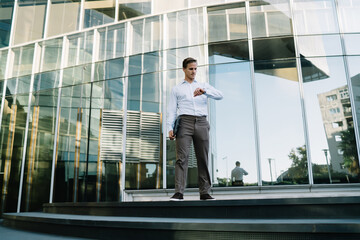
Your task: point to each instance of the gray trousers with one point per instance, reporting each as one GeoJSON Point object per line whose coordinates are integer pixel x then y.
{"type": "Point", "coordinates": [192, 129]}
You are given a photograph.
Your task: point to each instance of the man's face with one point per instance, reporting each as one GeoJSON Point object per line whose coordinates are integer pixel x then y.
{"type": "Point", "coordinates": [190, 71]}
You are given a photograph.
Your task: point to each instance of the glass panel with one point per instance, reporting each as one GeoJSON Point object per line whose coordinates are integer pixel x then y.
{"type": "Point", "coordinates": [282, 143]}
{"type": "Point", "coordinates": [29, 22]}
{"type": "Point", "coordinates": [130, 9]}
{"type": "Point", "coordinates": [98, 12]}
{"type": "Point", "coordinates": [175, 57]}
{"type": "Point", "coordinates": [134, 87]}
{"type": "Point", "coordinates": [147, 35]}
{"type": "Point", "coordinates": [270, 18]}
{"type": "Point", "coordinates": [273, 48]}
{"type": "Point", "coordinates": [227, 22]}
{"type": "Point", "coordinates": [23, 60]}
{"type": "Point", "coordinates": [11, 149]}
{"type": "Point", "coordinates": [143, 144]}
{"type": "Point", "coordinates": [328, 110]}
{"type": "Point", "coordinates": [75, 169]}
{"type": "Point", "coordinates": [3, 59]}
{"type": "Point", "coordinates": [39, 151]}
{"type": "Point", "coordinates": [235, 83]}
{"type": "Point", "coordinates": [352, 44]}
{"type": "Point", "coordinates": [6, 11]}
{"type": "Point", "coordinates": [46, 80]}
{"type": "Point", "coordinates": [51, 54]}
{"type": "Point", "coordinates": [77, 75]}
{"type": "Point", "coordinates": [135, 65]}
{"type": "Point", "coordinates": [137, 36]}
{"type": "Point", "coordinates": [152, 62]}
{"type": "Point", "coordinates": [111, 168]}
{"type": "Point", "coordinates": [320, 45]}
{"type": "Point", "coordinates": [112, 42]}
{"type": "Point", "coordinates": [152, 34]}
{"type": "Point", "coordinates": [160, 6]}
{"type": "Point", "coordinates": [63, 17]}
{"type": "Point", "coordinates": [108, 70]}
{"type": "Point", "coordinates": [80, 48]}
{"type": "Point", "coordinates": [313, 17]}
{"type": "Point", "coordinates": [23, 84]}
{"type": "Point", "coordinates": [151, 93]}
{"type": "Point", "coordinates": [179, 28]}
{"type": "Point", "coordinates": [349, 15]}
{"type": "Point", "coordinates": [351, 157]}
{"type": "Point", "coordinates": [228, 52]}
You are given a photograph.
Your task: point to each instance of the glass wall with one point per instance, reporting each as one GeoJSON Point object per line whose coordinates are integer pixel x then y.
{"type": "Point", "coordinates": [63, 17]}
{"type": "Point", "coordinates": [288, 71]}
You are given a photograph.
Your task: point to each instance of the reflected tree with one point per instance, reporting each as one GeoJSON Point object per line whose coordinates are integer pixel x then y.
{"type": "Point", "coordinates": [299, 167]}
{"type": "Point", "coordinates": [350, 154]}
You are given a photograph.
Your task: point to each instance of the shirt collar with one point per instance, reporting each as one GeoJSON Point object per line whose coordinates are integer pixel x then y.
{"type": "Point", "coordinates": [184, 81]}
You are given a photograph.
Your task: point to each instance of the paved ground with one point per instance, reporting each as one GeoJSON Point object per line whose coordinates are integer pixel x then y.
{"type": "Point", "coordinates": [14, 234]}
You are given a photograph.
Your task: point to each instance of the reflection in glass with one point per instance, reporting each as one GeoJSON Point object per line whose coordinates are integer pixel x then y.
{"type": "Point", "coordinates": [319, 45]}
{"type": "Point", "coordinates": [112, 42]}
{"type": "Point", "coordinates": [330, 121]}
{"type": "Point", "coordinates": [349, 15]}
{"type": "Point", "coordinates": [143, 156]}
{"type": "Point", "coordinates": [39, 151]}
{"type": "Point", "coordinates": [352, 45]}
{"type": "Point", "coordinates": [3, 59]}
{"type": "Point", "coordinates": [63, 17]}
{"type": "Point", "coordinates": [175, 57]}
{"type": "Point", "coordinates": [233, 116]}
{"type": "Point", "coordinates": [51, 54]}
{"type": "Point", "coordinates": [75, 170]}
{"type": "Point", "coordinates": [270, 18]}
{"type": "Point", "coordinates": [98, 12]}
{"type": "Point", "coordinates": [6, 11]}
{"type": "Point", "coordinates": [227, 22]}
{"type": "Point", "coordinates": [130, 9]}
{"type": "Point", "coordinates": [29, 22]}
{"type": "Point", "coordinates": [80, 48]}
{"type": "Point", "coordinates": [282, 150]}
{"type": "Point", "coordinates": [23, 60]}
{"type": "Point", "coordinates": [76, 75]}
{"type": "Point", "coordinates": [108, 70]}
{"type": "Point", "coordinates": [352, 159]}
{"type": "Point", "coordinates": [11, 149]}
{"type": "Point", "coordinates": [146, 35]}
{"type": "Point", "coordinates": [234, 51]}
{"type": "Point", "coordinates": [181, 32]}
{"type": "Point", "coordinates": [314, 17]}
{"type": "Point", "coordinates": [46, 80]}
{"type": "Point", "coordinates": [273, 48]}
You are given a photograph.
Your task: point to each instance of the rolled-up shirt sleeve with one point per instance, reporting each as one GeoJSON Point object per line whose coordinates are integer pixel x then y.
{"type": "Point", "coordinates": [212, 92]}
{"type": "Point", "coordinates": [171, 110]}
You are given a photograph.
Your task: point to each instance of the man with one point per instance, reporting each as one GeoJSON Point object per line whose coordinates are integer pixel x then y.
{"type": "Point", "coordinates": [237, 175]}
{"type": "Point", "coordinates": [188, 101]}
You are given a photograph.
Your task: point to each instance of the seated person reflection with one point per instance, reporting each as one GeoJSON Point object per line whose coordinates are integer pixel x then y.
{"type": "Point", "coordinates": [237, 175]}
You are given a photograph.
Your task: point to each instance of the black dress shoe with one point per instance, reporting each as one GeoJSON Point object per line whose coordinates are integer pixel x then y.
{"type": "Point", "coordinates": [177, 197]}
{"type": "Point", "coordinates": [206, 197]}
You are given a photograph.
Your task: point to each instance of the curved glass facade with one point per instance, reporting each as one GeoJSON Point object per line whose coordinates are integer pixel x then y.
{"type": "Point", "coordinates": [84, 88]}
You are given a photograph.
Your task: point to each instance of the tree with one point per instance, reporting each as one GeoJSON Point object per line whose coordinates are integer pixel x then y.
{"type": "Point", "coordinates": [298, 171]}
{"type": "Point", "coordinates": [350, 154]}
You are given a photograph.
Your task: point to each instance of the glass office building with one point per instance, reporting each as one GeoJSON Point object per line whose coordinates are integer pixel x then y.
{"type": "Point", "coordinates": [84, 88]}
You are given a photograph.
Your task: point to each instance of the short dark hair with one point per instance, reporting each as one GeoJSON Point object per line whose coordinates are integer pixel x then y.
{"type": "Point", "coordinates": [237, 163]}
{"type": "Point", "coordinates": [188, 60]}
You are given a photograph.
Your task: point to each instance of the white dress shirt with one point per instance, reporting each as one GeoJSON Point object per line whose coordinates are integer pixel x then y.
{"type": "Point", "coordinates": [182, 101]}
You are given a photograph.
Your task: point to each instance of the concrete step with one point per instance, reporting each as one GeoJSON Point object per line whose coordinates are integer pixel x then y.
{"type": "Point", "coordinates": [110, 227]}
{"type": "Point", "coordinates": [291, 208]}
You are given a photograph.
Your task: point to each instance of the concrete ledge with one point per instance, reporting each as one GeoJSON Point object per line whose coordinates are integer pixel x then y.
{"type": "Point", "coordinates": [188, 224]}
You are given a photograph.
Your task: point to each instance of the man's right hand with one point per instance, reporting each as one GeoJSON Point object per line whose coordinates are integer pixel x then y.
{"type": "Point", "coordinates": [171, 135]}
